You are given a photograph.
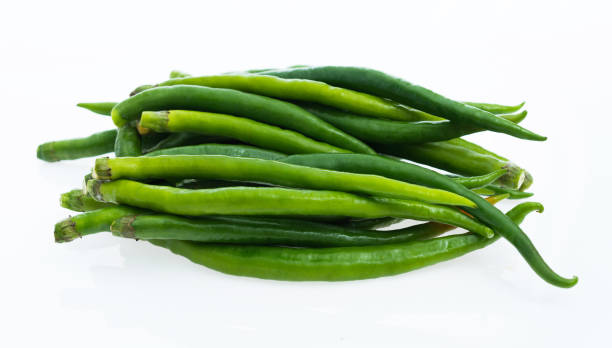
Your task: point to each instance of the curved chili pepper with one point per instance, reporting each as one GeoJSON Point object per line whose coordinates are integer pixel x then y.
{"type": "Point", "coordinates": [334, 264]}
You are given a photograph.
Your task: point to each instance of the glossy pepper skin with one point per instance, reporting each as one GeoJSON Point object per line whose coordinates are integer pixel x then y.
{"type": "Point", "coordinates": [474, 182]}
{"type": "Point", "coordinates": [398, 133]}
{"type": "Point", "coordinates": [460, 157]}
{"type": "Point", "coordinates": [103, 108]}
{"type": "Point", "coordinates": [232, 102]}
{"type": "Point", "coordinates": [262, 231]}
{"type": "Point", "coordinates": [385, 86]}
{"type": "Point", "coordinates": [93, 145]}
{"type": "Point", "coordinates": [302, 90]}
{"type": "Point", "coordinates": [174, 140]}
{"type": "Point", "coordinates": [486, 213]}
{"type": "Point", "coordinates": [269, 231]}
{"type": "Point", "coordinates": [497, 108]}
{"type": "Point", "coordinates": [333, 264]}
{"type": "Point", "coordinates": [219, 167]}
{"type": "Point", "coordinates": [91, 222]}
{"type": "Point", "coordinates": [243, 129]}
{"type": "Point", "coordinates": [221, 149]}
{"type": "Point", "coordinates": [273, 201]}
{"type": "Point", "coordinates": [236, 150]}
{"type": "Point", "coordinates": [128, 142]}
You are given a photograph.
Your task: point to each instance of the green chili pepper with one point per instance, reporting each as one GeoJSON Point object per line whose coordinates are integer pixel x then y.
{"type": "Point", "coordinates": [93, 145]}
{"type": "Point", "coordinates": [127, 142]}
{"type": "Point", "coordinates": [454, 157]}
{"type": "Point", "coordinates": [380, 84]}
{"type": "Point", "coordinates": [220, 149]}
{"type": "Point", "coordinates": [496, 108]}
{"type": "Point", "coordinates": [273, 201]}
{"type": "Point", "coordinates": [463, 157]}
{"type": "Point", "coordinates": [416, 115]}
{"type": "Point", "coordinates": [333, 264]}
{"type": "Point", "coordinates": [90, 222]}
{"type": "Point", "coordinates": [137, 90]}
{"type": "Point", "coordinates": [492, 108]}
{"type": "Point", "coordinates": [254, 152]}
{"type": "Point", "coordinates": [174, 140]}
{"type": "Point", "coordinates": [368, 224]}
{"type": "Point", "coordinates": [254, 231]}
{"type": "Point", "coordinates": [303, 90]}
{"type": "Point", "coordinates": [76, 200]}
{"type": "Point", "coordinates": [473, 182]}
{"type": "Point", "coordinates": [515, 175]}
{"type": "Point", "coordinates": [151, 140]}
{"type": "Point", "coordinates": [397, 132]}
{"type": "Point", "coordinates": [100, 221]}
{"type": "Point", "coordinates": [395, 169]}
{"type": "Point", "coordinates": [268, 231]}
{"type": "Point", "coordinates": [495, 190]}
{"type": "Point", "coordinates": [268, 171]}
{"type": "Point", "coordinates": [243, 129]}
{"type": "Point", "coordinates": [103, 108]}
{"type": "Point", "coordinates": [219, 100]}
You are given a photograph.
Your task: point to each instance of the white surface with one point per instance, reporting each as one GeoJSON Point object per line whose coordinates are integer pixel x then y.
{"type": "Point", "coordinates": [102, 291]}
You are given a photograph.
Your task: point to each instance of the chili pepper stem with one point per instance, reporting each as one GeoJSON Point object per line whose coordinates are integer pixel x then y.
{"type": "Point", "coordinates": [102, 171]}
{"type": "Point", "coordinates": [514, 177]}
{"type": "Point", "coordinates": [526, 182]}
{"type": "Point", "coordinates": [76, 200]}
{"type": "Point", "coordinates": [65, 231]}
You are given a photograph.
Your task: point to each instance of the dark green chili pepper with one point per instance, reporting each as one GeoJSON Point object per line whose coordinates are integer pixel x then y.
{"type": "Point", "coordinates": [219, 100]}
{"type": "Point", "coordinates": [262, 231]}
{"type": "Point", "coordinates": [220, 149]}
{"type": "Point", "coordinates": [243, 129]}
{"type": "Point", "coordinates": [90, 222]}
{"type": "Point", "coordinates": [381, 131]}
{"type": "Point", "coordinates": [182, 139]}
{"type": "Point", "coordinates": [103, 108]}
{"type": "Point", "coordinates": [93, 145]}
{"type": "Point", "coordinates": [76, 200]}
{"type": "Point", "coordinates": [267, 171]}
{"type": "Point", "coordinates": [273, 201]}
{"type": "Point", "coordinates": [128, 142]}
{"type": "Point", "coordinates": [380, 84]}
{"type": "Point", "coordinates": [333, 264]}
{"type": "Point", "coordinates": [488, 214]}
{"type": "Point", "coordinates": [369, 224]}
{"type": "Point", "coordinates": [151, 140]}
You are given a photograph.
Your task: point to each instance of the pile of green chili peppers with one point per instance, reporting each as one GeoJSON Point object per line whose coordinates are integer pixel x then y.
{"type": "Point", "coordinates": [291, 174]}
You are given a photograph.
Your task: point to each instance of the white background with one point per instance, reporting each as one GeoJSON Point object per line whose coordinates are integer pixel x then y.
{"type": "Point", "coordinates": [103, 291]}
